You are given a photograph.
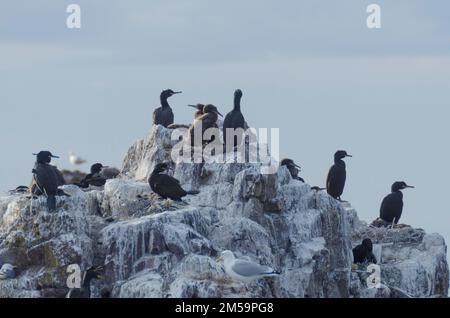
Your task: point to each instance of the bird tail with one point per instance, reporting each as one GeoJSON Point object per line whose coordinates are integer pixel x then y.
{"type": "Point", "coordinates": [51, 203]}
{"type": "Point", "coordinates": [193, 192]}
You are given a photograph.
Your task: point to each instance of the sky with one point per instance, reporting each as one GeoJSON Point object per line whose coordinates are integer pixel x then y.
{"type": "Point", "coordinates": [311, 68]}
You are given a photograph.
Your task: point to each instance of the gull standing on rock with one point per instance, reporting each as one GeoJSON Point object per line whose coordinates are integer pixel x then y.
{"type": "Point", "coordinates": [245, 271]}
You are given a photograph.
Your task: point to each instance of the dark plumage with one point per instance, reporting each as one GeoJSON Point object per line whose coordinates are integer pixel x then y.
{"type": "Point", "coordinates": [95, 178]}
{"type": "Point", "coordinates": [293, 168]}
{"type": "Point", "coordinates": [85, 290]}
{"type": "Point", "coordinates": [166, 186]}
{"type": "Point", "coordinates": [337, 175]}
{"type": "Point", "coordinates": [164, 115]}
{"type": "Point", "coordinates": [392, 205]}
{"type": "Point", "coordinates": [202, 123]}
{"type": "Point", "coordinates": [46, 178]}
{"type": "Point", "coordinates": [199, 111]}
{"type": "Point", "coordinates": [234, 120]}
{"type": "Point", "coordinates": [363, 253]}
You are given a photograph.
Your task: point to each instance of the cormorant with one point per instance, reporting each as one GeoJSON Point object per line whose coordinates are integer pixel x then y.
{"type": "Point", "coordinates": [234, 119]}
{"type": "Point", "coordinates": [166, 186]}
{"type": "Point", "coordinates": [94, 178]}
{"type": "Point", "coordinates": [164, 115]}
{"type": "Point", "coordinates": [46, 178]}
{"type": "Point", "coordinates": [85, 290]}
{"type": "Point", "coordinates": [337, 175]}
{"type": "Point", "coordinates": [363, 253]}
{"type": "Point", "coordinates": [204, 122]}
{"type": "Point", "coordinates": [392, 205]}
{"type": "Point", "coordinates": [293, 168]}
{"type": "Point", "coordinates": [199, 111]}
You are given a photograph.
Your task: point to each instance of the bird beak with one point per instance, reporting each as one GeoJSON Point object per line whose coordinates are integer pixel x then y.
{"type": "Point", "coordinates": [177, 92]}
{"type": "Point", "coordinates": [408, 186]}
{"type": "Point", "coordinates": [297, 166]}
{"type": "Point", "coordinates": [54, 156]}
{"type": "Point", "coordinates": [349, 156]}
{"type": "Point", "coordinates": [219, 114]}
{"type": "Point", "coordinates": [192, 106]}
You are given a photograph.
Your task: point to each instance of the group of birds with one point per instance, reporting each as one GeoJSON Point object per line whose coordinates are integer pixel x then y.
{"type": "Point", "coordinates": [47, 179]}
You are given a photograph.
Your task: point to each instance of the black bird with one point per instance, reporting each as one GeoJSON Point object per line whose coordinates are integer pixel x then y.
{"type": "Point", "coordinates": [204, 122]}
{"type": "Point", "coordinates": [163, 115]}
{"type": "Point", "coordinates": [363, 253]}
{"type": "Point", "coordinates": [166, 186]}
{"type": "Point", "coordinates": [85, 290]}
{"type": "Point", "coordinates": [45, 178]}
{"type": "Point", "coordinates": [293, 168]}
{"type": "Point", "coordinates": [234, 120]}
{"type": "Point", "coordinates": [337, 175]}
{"type": "Point", "coordinates": [19, 190]}
{"type": "Point", "coordinates": [199, 111]}
{"type": "Point", "coordinates": [95, 178]}
{"type": "Point", "coordinates": [392, 205]}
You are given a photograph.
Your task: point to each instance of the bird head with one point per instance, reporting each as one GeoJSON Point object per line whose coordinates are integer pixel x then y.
{"type": "Point", "coordinates": [97, 167]}
{"type": "Point", "coordinates": [367, 243]}
{"type": "Point", "coordinates": [226, 256]}
{"type": "Point", "coordinates": [400, 185]}
{"type": "Point", "coordinates": [94, 273]}
{"type": "Point", "coordinates": [238, 93]}
{"type": "Point", "coordinates": [161, 167]}
{"type": "Point", "coordinates": [289, 163]}
{"type": "Point", "coordinates": [340, 154]}
{"type": "Point", "coordinates": [198, 106]}
{"type": "Point", "coordinates": [211, 109]}
{"type": "Point", "coordinates": [168, 93]}
{"type": "Point", "coordinates": [44, 156]}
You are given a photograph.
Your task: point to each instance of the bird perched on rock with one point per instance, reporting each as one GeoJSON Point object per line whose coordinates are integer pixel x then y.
{"type": "Point", "coordinates": [75, 160]}
{"type": "Point", "coordinates": [46, 178]}
{"type": "Point", "coordinates": [7, 272]}
{"type": "Point", "coordinates": [293, 168]}
{"type": "Point", "coordinates": [392, 205]}
{"type": "Point", "coordinates": [363, 253]}
{"type": "Point", "coordinates": [19, 190]}
{"type": "Point", "coordinates": [166, 186]}
{"type": "Point", "coordinates": [234, 120]}
{"type": "Point", "coordinates": [337, 175]}
{"type": "Point", "coordinates": [85, 290]}
{"type": "Point", "coordinates": [201, 124]}
{"type": "Point", "coordinates": [243, 270]}
{"type": "Point", "coordinates": [95, 178]}
{"type": "Point", "coordinates": [163, 115]}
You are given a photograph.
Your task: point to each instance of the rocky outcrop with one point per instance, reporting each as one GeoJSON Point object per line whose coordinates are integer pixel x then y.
{"type": "Point", "coordinates": [160, 248]}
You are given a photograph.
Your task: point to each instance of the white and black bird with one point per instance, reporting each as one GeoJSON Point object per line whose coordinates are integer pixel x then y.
{"type": "Point", "coordinates": [75, 159]}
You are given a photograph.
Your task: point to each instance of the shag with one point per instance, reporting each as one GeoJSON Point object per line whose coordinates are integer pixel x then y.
{"type": "Point", "coordinates": [95, 178]}
{"type": "Point", "coordinates": [199, 111]}
{"type": "Point", "coordinates": [85, 290]}
{"type": "Point", "coordinates": [363, 253]}
{"type": "Point", "coordinates": [204, 122]}
{"type": "Point", "coordinates": [164, 115]}
{"type": "Point", "coordinates": [46, 178]}
{"type": "Point", "coordinates": [166, 186]}
{"type": "Point", "coordinates": [234, 120]}
{"type": "Point", "coordinates": [293, 168]}
{"type": "Point", "coordinates": [392, 205]}
{"type": "Point", "coordinates": [337, 175]}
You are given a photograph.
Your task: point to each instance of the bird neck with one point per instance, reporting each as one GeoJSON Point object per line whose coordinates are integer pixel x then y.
{"type": "Point", "coordinates": [339, 161]}
{"type": "Point", "coordinates": [237, 103]}
{"type": "Point", "coordinates": [164, 102]}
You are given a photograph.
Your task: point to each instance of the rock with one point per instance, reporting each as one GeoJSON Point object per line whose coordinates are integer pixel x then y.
{"type": "Point", "coordinates": [160, 248]}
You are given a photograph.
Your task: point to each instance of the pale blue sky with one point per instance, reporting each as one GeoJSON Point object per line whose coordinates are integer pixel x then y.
{"type": "Point", "coordinates": [310, 68]}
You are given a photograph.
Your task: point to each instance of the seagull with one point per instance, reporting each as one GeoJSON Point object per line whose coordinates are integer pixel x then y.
{"type": "Point", "coordinates": [7, 272]}
{"type": "Point", "coordinates": [245, 271]}
{"type": "Point", "coordinates": [75, 160]}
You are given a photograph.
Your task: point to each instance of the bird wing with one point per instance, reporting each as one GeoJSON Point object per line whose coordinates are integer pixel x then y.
{"type": "Point", "coordinates": [248, 269]}
{"type": "Point", "coordinates": [168, 186]}
{"type": "Point", "coordinates": [157, 115]}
